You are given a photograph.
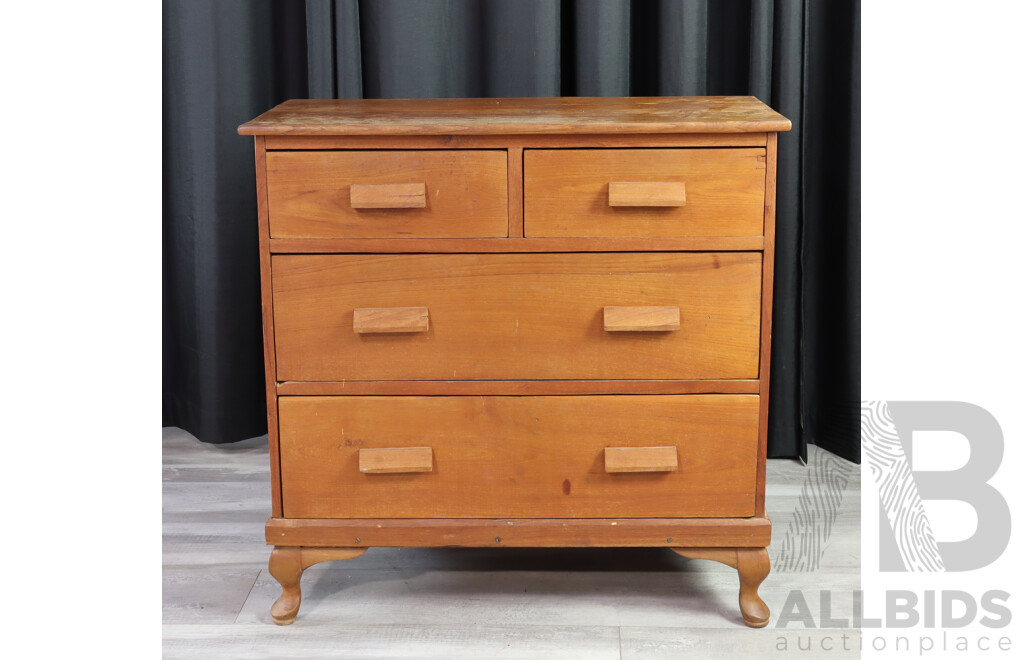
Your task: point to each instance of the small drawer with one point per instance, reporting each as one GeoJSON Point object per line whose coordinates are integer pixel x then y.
{"type": "Point", "coordinates": [518, 456]}
{"type": "Point", "coordinates": [517, 316]}
{"type": "Point", "coordinates": [644, 192]}
{"type": "Point", "coordinates": [387, 194]}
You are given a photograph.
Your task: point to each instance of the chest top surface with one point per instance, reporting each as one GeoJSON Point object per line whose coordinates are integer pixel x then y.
{"type": "Point", "coordinates": [563, 115]}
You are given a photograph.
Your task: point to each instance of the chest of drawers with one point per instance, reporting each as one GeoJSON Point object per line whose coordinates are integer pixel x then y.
{"type": "Point", "coordinates": [517, 323]}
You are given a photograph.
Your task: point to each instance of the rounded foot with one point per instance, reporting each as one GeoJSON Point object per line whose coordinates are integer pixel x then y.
{"type": "Point", "coordinates": [753, 566]}
{"type": "Point", "coordinates": [757, 620]}
{"type": "Point", "coordinates": [285, 609]}
{"type": "Point", "coordinates": [287, 564]}
{"type": "Point", "coordinates": [286, 567]}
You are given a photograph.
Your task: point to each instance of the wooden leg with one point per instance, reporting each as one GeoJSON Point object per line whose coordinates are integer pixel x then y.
{"type": "Point", "coordinates": [287, 564]}
{"type": "Point", "coordinates": [753, 566]}
{"type": "Point", "coordinates": [286, 567]}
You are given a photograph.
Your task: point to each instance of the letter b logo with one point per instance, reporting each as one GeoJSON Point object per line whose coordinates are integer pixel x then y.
{"type": "Point", "coordinates": [906, 539]}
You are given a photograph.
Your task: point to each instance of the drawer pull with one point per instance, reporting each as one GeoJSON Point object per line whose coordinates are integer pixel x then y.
{"type": "Point", "coordinates": [396, 461]}
{"type": "Point", "coordinates": [641, 319]}
{"type": "Point", "coordinates": [640, 459]}
{"type": "Point", "coordinates": [388, 196]}
{"type": "Point", "coordinates": [647, 194]}
{"type": "Point", "coordinates": [371, 320]}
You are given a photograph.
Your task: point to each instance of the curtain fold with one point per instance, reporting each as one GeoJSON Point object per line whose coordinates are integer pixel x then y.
{"type": "Point", "coordinates": [682, 47]}
{"type": "Point", "coordinates": [223, 62]}
{"type": "Point", "coordinates": [830, 242]}
{"type": "Point", "coordinates": [799, 56]}
{"type": "Point", "coordinates": [784, 427]}
{"type": "Point", "coordinates": [598, 46]}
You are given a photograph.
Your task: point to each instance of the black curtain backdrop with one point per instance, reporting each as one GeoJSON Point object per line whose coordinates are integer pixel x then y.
{"type": "Point", "coordinates": [224, 62]}
{"type": "Point", "coordinates": [228, 61]}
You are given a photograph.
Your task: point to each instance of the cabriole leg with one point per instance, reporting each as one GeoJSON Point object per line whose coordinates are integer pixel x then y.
{"type": "Point", "coordinates": [287, 565]}
{"type": "Point", "coordinates": [753, 566]}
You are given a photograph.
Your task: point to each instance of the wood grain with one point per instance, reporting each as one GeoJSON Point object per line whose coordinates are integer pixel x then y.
{"type": "Point", "coordinates": [563, 115]}
{"type": "Point", "coordinates": [752, 565]}
{"type": "Point", "coordinates": [515, 191]}
{"type": "Point", "coordinates": [390, 320]}
{"type": "Point", "coordinates": [512, 245]}
{"type": "Point", "coordinates": [396, 460]}
{"type": "Point", "coordinates": [641, 459]}
{"type": "Point", "coordinates": [567, 192]}
{"type": "Point", "coordinates": [523, 533]}
{"type": "Point", "coordinates": [624, 193]}
{"type": "Point", "coordinates": [517, 387]}
{"type": "Point", "coordinates": [542, 141]}
{"type": "Point", "coordinates": [522, 457]}
{"type": "Point", "coordinates": [641, 319]}
{"type": "Point", "coordinates": [517, 316]}
{"type": "Point", "coordinates": [310, 194]}
{"type": "Point", "coordinates": [767, 290]}
{"type": "Point", "coordinates": [286, 566]}
{"type": "Point", "coordinates": [388, 195]}
{"type": "Point", "coordinates": [267, 309]}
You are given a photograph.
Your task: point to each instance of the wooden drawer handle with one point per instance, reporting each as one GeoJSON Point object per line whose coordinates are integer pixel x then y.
{"type": "Point", "coordinates": [641, 319]}
{"type": "Point", "coordinates": [397, 460]}
{"type": "Point", "coordinates": [388, 195]}
{"type": "Point", "coordinates": [390, 319]}
{"type": "Point", "coordinates": [640, 459]}
{"type": "Point", "coordinates": [647, 194]}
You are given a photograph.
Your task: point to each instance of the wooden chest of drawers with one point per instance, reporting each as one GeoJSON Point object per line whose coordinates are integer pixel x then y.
{"type": "Point", "coordinates": [515, 323]}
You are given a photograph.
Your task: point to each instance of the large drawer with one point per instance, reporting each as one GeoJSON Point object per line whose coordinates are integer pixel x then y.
{"type": "Point", "coordinates": [517, 316]}
{"type": "Point", "coordinates": [387, 194]}
{"type": "Point", "coordinates": [644, 192]}
{"type": "Point", "coordinates": [518, 457]}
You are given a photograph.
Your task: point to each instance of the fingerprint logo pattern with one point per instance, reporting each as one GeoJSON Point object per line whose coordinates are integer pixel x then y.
{"type": "Point", "coordinates": [897, 489]}
{"type": "Point", "coordinates": [807, 534]}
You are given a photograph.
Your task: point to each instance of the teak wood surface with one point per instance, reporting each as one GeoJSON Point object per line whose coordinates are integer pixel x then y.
{"type": "Point", "coordinates": [567, 192]}
{"type": "Point", "coordinates": [396, 460]}
{"type": "Point", "coordinates": [511, 245]}
{"type": "Point", "coordinates": [562, 116]}
{"type": "Point", "coordinates": [267, 309]}
{"type": "Point", "coordinates": [311, 194]}
{"type": "Point", "coordinates": [752, 565]}
{"type": "Point", "coordinates": [390, 320]}
{"type": "Point", "coordinates": [767, 289]}
{"type": "Point", "coordinates": [512, 142]}
{"type": "Point", "coordinates": [645, 193]}
{"type": "Point", "coordinates": [512, 224]}
{"type": "Point", "coordinates": [516, 387]}
{"type": "Point", "coordinates": [641, 319]}
{"type": "Point", "coordinates": [517, 316]}
{"type": "Point", "coordinates": [641, 459]}
{"type": "Point", "coordinates": [388, 195]}
{"type": "Point", "coordinates": [753, 532]}
{"type": "Point", "coordinates": [522, 457]}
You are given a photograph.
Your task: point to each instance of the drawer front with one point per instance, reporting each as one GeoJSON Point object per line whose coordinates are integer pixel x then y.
{"type": "Point", "coordinates": [644, 192]}
{"type": "Point", "coordinates": [518, 457]}
{"type": "Point", "coordinates": [517, 316]}
{"type": "Point", "coordinates": [387, 194]}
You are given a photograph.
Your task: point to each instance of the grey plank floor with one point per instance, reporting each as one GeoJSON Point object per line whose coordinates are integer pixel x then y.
{"type": "Point", "coordinates": [469, 603]}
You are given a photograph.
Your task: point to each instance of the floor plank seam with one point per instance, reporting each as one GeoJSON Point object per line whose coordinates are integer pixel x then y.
{"type": "Point", "coordinates": [247, 595]}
